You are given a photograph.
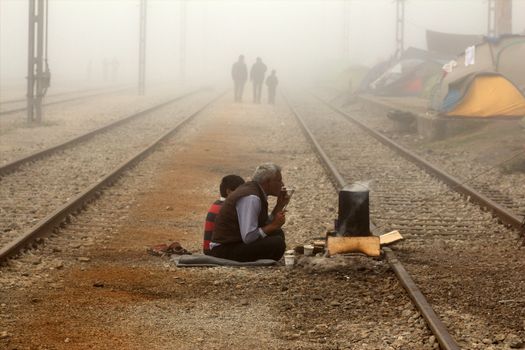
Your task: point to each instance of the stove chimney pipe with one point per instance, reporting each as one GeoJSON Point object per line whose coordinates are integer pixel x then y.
{"type": "Point", "coordinates": [353, 217]}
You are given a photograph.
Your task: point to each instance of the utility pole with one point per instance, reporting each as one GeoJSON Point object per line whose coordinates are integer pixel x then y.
{"type": "Point", "coordinates": [499, 17]}
{"type": "Point", "coordinates": [346, 29]}
{"type": "Point", "coordinates": [38, 76]}
{"type": "Point", "coordinates": [142, 47]}
{"type": "Point", "coordinates": [182, 63]}
{"type": "Point", "coordinates": [400, 27]}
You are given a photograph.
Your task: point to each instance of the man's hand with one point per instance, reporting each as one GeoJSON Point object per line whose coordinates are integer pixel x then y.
{"type": "Point", "coordinates": [278, 221]}
{"type": "Point", "coordinates": [282, 201]}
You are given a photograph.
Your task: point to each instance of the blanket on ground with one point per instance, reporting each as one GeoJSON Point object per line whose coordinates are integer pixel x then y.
{"type": "Point", "coordinates": [202, 260]}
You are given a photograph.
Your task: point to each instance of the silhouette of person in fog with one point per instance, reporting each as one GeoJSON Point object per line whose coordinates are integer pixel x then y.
{"type": "Point", "coordinates": [257, 74]}
{"type": "Point", "coordinates": [239, 76]}
{"type": "Point", "coordinates": [272, 83]}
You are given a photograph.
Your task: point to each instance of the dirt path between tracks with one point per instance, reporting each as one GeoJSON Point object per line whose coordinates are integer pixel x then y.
{"type": "Point", "coordinates": [112, 295]}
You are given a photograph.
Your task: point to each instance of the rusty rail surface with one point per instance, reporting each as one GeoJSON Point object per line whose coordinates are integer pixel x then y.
{"type": "Point", "coordinates": [433, 321]}
{"type": "Point", "coordinates": [52, 221]}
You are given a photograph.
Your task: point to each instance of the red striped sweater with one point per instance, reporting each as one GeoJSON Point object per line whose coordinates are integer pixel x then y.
{"type": "Point", "coordinates": [209, 224]}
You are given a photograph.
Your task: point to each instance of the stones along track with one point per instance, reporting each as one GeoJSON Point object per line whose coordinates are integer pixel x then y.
{"type": "Point", "coordinates": [468, 265]}
{"type": "Point", "coordinates": [36, 189]}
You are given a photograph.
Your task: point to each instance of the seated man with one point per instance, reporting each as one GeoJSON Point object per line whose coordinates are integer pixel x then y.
{"type": "Point", "coordinates": [243, 229]}
{"type": "Point", "coordinates": [228, 184]}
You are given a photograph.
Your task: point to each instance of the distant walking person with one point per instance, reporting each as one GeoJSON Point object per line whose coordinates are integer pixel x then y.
{"type": "Point", "coordinates": [257, 74]}
{"type": "Point", "coordinates": [272, 83]}
{"type": "Point", "coordinates": [239, 76]}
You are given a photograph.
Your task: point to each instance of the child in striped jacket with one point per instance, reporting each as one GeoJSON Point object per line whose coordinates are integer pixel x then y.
{"type": "Point", "coordinates": [228, 184]}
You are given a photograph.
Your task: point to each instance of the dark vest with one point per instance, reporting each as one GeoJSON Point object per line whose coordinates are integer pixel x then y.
{"type": "Point", "coordinates": [227, 223]}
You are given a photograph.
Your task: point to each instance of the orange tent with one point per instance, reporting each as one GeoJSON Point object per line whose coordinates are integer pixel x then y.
{"type": "Point", "coordinates": [490, 85]}
{"type": "Point", "coordinates": [489, 95]}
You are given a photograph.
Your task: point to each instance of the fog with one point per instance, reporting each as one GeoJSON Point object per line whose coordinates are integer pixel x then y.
{"type": "Point", "coordinates": [302, 40]}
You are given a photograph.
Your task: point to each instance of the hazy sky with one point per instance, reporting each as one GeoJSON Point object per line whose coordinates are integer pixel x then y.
{"type": "Point", "coordinates": [295, 37]}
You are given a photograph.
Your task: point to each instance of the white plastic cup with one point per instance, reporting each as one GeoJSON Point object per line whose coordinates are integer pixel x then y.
{"type": "Point", "coordinates": [289, 260]}
{"type": "Point", "coordinates": [308, 249]}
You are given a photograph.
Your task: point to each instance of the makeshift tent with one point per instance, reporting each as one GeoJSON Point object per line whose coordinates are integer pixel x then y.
{"type": "Point", "coordinates": [414, 74]}
{"type": "Point", "coordinates": [502, 56]}
{"type": "Point", "coordinates": [408, 78]}
{"type": "Point", "coordinates": [373, 74]}
{"type": "Point", "coordinates": [484, 95]}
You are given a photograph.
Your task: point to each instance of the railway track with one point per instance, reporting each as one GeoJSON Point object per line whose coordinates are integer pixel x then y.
{"type": "Point", "coordinates": [445, 340]}
{"type": "Point", "coordinates": [403, 187]}
{"type": "Point", "coordinates": [19, 105]}
{"type": "Point", "coordinates": [38, 192]}
{"type": "Point", "coordinates": [404, 197]}
{"type": "Point", "coordinates": [495, 203]}
{"type": "Point", "coordinates": [58, 94]}
{"type": "Point", "coordinates": [486, 179]}
{"type": "Point", "coordinates": [13, 165]}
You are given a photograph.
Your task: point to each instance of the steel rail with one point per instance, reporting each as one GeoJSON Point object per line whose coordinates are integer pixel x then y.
{"type": "Point", "coordinates": [474, 196]}
{"type": "Point", "coordinates": [12, 166]}
{"type": "Point", "coordinates": [21, 109]}
{"type": "Point", "coordinates": [433, 321]}
{"type": "Point", "coordinates": [55, 219]}
{"type": "Point", "coordinates": [329, 166]}
{"type": "Point", "coordinates": [58, 94]}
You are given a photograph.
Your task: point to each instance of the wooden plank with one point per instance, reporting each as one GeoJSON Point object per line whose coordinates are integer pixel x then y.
{"type": "Point", "coordinates": [390, 237]}
{"type": "Point", "coordinates": [368, 245]}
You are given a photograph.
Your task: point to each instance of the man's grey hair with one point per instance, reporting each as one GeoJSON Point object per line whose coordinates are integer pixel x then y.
{"type": "Point", "coordinates": [265, 171]}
